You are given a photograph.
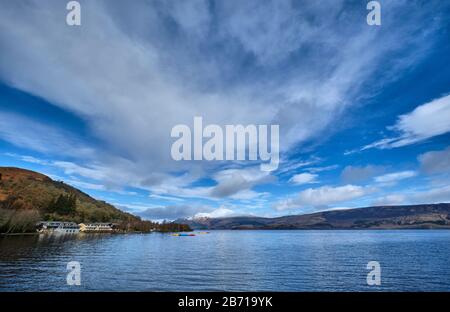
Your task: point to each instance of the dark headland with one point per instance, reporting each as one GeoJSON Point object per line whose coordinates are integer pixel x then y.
{"type": "Point", "coordinates": [431, 216]}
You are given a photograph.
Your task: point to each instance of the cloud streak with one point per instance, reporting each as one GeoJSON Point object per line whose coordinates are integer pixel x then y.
{"type": "Point", "coordinates": [304, 178]}
{"type": "Point", "coordinates": [395, 176]}
{"type": "Point", "coordinates": [435, 162]}
{"type": "Point", "coordinates": [323, 196]}
{"type": "Point", "coordinates": [426, 121]}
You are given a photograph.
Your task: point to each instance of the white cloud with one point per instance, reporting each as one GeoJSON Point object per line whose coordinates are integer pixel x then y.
{"type": "Point", "coordinates": [230, 183]}
{"type": "Point", "coordinates": [86, 185]}
{"type": "Point", "coordinates": [434, 195]}
{"type": "Point", "coordinates": [322, 196]}
{"type": "Point", "coordinates": [396, 176]}
{"type": "Point", "coordinates": [392, 199]}
{"type": "Point", "coordinates": [354, 174]}
{"type": "Point", "coordinates": [70, 168]}
{"type": "Point", "coordinates": [30, 134]}
{"type": "Point", "coordinates": [167, 198]}
{"type": "Point", "coordinates": [287, 166]}
{"type": "Point", "coordinates": [238, 182]}
{"type": "Point", "coordinates": [217, 213]}
{"type": "Point", "coordinates": [26, 158]}
{"type": "Point", "coordinates": [165, 213]}
{"type": "Point", "coordinates": [426, 121]}
{"type": "Point", "coordinates": [320, 169]}
{"type": "Point", "coordinates": [304, 178]}
{"type": "Point", "coordinates": [435, 161]}
{"type": "Point", "coordinates": [179, 211]}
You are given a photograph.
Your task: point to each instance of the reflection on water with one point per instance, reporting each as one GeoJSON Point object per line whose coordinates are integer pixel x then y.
{"type": "Point", "coordinates": [229, 260]}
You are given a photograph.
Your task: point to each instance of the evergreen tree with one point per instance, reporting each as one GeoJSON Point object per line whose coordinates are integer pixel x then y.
{"type": "Point", "coordinates": [63, 205]}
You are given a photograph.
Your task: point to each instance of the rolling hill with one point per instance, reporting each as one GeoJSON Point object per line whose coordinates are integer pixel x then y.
{"type": "Point", "coordinates": [433, 216]}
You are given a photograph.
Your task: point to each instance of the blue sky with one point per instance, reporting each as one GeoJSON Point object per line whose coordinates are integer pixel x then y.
{"type": "Point", "coordinates": [364, 111]}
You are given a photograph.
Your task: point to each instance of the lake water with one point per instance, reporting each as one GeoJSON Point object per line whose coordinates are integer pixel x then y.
{"type": "Point", "coordinates": [230, 260]}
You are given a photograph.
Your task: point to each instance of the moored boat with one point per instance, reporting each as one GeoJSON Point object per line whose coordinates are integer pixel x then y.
{"type": "Point", "coordinates": [58, 227]}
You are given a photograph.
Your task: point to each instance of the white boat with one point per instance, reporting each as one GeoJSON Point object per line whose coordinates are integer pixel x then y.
{"type": "Point", "coordinates": [58, 227]}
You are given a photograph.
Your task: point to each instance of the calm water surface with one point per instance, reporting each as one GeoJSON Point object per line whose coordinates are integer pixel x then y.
{"type": "Point", "coordinates": [230, 260]}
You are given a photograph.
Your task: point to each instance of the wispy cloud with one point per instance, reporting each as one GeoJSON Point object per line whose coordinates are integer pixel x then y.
{"type": "Point", "coordinates": [429, 195]}
{"type": "Point", "coordinates": [434, 195]}
{"type": "Point", "coordinates": [391, 199]}
{"type": "Point", "coordinates": [185, 211]}
{"type": "Point", "coordinates": [395, 176]}
{"type": "Point", "coordinates": [355, 174]}
{"type": "Point", "coordinates": [216, 213]}
{"type": "Point", "coordinates": [426, 121]}
{"type": "Point", "coordinates": [30, 134]}
{"type": "Point", "coordinates": [323, 196]}
{"type": "Point", "coordinates": [304, 178]}
{"type": "Point", "coordinates": [287, 166]}
{"type": "Point", "coordinates": [321, 169]}
{"type": "Point", "coordinates": [435, 162]}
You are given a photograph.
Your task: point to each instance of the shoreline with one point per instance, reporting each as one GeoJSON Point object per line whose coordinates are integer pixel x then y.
{"type": "Point", "coordinates": [83, 233]}
{"type": "Point", "coordinates": [235, 230]}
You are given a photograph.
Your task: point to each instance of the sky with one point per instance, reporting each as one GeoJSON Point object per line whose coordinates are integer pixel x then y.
{"type": "Point", "coordinates": [363, 111]}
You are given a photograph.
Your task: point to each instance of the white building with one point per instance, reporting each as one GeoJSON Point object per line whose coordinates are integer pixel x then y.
{"type": "Point", "coordinates": [96, 227]}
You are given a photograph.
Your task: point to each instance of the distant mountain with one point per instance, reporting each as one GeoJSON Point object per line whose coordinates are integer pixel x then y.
{"type": "Point", "coordinates": [433, 216]}
{"type": "Point", "coordinates": [27, 197]}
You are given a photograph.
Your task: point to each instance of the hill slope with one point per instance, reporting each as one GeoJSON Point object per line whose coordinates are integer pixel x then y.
{"type": "Point", "coordinates": [383, 217]}
{"type": "Point", "coordinates": [27, 197]}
